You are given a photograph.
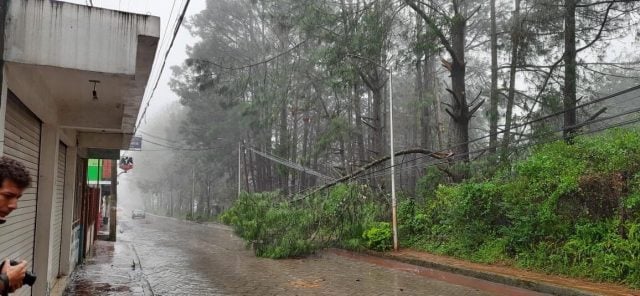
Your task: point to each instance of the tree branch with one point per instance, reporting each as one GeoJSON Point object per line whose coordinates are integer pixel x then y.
{"type": "Point", "coordinates": [436, 155]}
{"type": "Point", "coordinates": [604, 23]}
{"type": "Point", "coordinates": [605, 2]}
{"type": "Point", "coordinates": [450, 114]}
{"type": "Point", "coordinates": [475, 108]}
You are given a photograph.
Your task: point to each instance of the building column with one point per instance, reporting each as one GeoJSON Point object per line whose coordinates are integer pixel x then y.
{"type": "Point", "coordinates": [49, 145]}
{"type": "Point", "coordinates": [4, 6]}
{"type": "Point", "coordinates": [4, 90]}
{"type": "Point", "coordinates": [67, 210]}
{"type": "Point", "coordinates": [114, 201]}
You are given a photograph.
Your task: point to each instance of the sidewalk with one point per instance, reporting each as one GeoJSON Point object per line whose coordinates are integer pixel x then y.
{"type": "Point", "coordinates": [109, 270]}
{"type": "Point", "coordinates": [539, 282]}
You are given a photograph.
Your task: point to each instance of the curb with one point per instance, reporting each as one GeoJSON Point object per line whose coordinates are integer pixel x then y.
{"type": "Point", "coordinates": [147, 289]}
{"type": "Point", "coordinates": [487, 276]}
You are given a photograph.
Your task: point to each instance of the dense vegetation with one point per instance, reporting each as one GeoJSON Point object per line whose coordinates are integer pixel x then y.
{"type": "Point", "coordinates": [571, 209]}
{"type": "Point", "coordinates": [289, 87]}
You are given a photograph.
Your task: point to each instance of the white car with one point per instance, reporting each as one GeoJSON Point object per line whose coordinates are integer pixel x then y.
{"type": "Point", "coordinates": [137, 214]}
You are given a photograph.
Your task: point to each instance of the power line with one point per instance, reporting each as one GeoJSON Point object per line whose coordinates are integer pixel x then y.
{"type": "Point", "coordinates": [482, 150]}
{"type": "Point", "coordinates": [265, 61]}
{"type": "Point", "coordinates": [524, 124]}
{"type": "Point", "coordinates": [183, 148]}
{"type": "Point", "coordinates": [539, 119]}
{"type": "Point", "coordinates": [376, 173]}
{"type": "Point", "coordinates": [610, 96]}
{"type": "Point", "coordinates": [290, 164]}
{"type": "Point", "coordinates": [166, 28]}
{"type": "Point", "coordinates": [164, 62]}
{"type": "Point", "coordinates": [158, 137]}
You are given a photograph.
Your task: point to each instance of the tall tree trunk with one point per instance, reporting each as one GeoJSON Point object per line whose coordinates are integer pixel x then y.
{"type": "Point", "coordinates": [208, 182]}
{"type": "Point", "coordinates": [171, 203]}
{"type": "Point", "coordinates": [439, 120]}
{"type": "Point", "coordinates": [515, 43]}
{"type": "Point", "coordinates": [357, 109]}
{"type": "Point", "coordinates": [460, 111]}
{"type": "Point", "coordinates": [283, 151]}
{"type": "Point", "coordinates": [247, 168]}
{"type": "Point", "coordinates": [306, 120]}
{"type": "Point", "coordinates": [570, 75]}
{"type": "Point", "coordinates": [293, 143]}
{"type": "Point", "coordinates": [428, 103]}
{"type": "Point", "coordinates": [461, 116]}
{"type": "Point", "coordinates": [493, 109]}
{"type": "Point", "coordinates": [378, 132]}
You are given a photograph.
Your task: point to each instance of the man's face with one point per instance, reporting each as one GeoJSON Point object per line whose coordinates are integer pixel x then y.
{"type": "Point", "coordinates": [9, 195]}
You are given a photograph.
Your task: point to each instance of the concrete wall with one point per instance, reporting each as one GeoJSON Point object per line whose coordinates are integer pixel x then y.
{"type": "Point", "coordinates": [50, 33]}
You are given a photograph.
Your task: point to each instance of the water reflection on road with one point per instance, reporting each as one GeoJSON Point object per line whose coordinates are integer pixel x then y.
{"type": "Point", "coordinates": [180, 258]}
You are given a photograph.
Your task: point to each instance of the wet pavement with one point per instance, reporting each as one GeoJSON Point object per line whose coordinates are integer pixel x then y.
{"type": "Point", "coordinates": [183, 258]}
{"type": "Point", "coordinates": [108, 271]}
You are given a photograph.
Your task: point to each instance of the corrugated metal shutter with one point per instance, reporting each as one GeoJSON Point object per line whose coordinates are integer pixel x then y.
{"type": "Point", "coordinates": [21, 142]}
{"type": "Point", "coordinates": [57, 212]}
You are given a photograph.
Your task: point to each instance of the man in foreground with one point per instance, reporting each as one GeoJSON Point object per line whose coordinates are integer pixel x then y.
{"type": "Point", "coordinates": [14, 179]}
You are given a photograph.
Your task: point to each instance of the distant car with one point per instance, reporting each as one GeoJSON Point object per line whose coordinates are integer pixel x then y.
{"type": "Point", "coordinates": [137, 214]}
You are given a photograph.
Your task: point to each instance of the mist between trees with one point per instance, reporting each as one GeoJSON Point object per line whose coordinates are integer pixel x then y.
{"type": "Point", "coordinates": [308, 82]}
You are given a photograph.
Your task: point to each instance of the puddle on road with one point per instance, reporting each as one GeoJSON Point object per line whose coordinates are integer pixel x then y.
{"type": "Point", "coordinates": [83, 287]}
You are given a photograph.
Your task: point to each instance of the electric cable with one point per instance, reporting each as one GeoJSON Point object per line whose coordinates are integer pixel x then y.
{"type": "Point", "coordinates": [164, 62]}
{"type": "Point", "coordinates": [482, 150]}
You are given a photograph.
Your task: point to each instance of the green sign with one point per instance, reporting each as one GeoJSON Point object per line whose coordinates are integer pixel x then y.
{"type": "Point", "coordinates": [94, 170]}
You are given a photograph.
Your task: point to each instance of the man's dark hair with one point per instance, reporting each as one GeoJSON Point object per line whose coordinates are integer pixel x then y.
{"type": "Point", "coordinates": [15, 171]}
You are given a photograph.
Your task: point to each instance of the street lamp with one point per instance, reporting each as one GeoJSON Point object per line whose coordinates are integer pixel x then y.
{"type": "Point", "coordinates": [394, 217]}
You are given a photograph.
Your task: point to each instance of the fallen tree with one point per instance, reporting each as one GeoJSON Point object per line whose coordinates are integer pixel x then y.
{"type": "Point", "coordinates": [356, 173]}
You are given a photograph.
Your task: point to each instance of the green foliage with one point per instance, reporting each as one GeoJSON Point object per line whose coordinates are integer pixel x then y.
{"type": "Point", "coordinates": [412, 221]}
{"type": "Point", "coordinates": [279, 228]}
{"type": "Point", "coordinates": [557, 211]}
{"type": "Point", "coordinates": [428, 184]}
{"type": "Point", "coordinates": [379, 237]}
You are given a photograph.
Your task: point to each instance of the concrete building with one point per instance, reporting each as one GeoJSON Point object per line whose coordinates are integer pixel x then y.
{"type": "Point", "coordinates": [54, 55]}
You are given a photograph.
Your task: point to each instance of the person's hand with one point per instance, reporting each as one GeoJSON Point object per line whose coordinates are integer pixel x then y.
{"type": "Point", "coordinates": [15, 274]}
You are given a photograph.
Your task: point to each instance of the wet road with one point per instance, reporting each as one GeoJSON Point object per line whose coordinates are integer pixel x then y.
{"type": "Point", "coordinates": [181, 258]}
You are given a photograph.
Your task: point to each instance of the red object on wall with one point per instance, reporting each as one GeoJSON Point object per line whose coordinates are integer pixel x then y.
{"type": "Point", "coordinates": [106, 169]}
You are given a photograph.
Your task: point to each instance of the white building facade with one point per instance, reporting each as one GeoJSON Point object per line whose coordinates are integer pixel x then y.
{"type": "Point", "coordinates": [54, 55]}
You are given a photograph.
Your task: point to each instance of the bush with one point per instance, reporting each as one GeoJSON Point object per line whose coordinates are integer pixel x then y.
{"type": "Point", "coordinates": [568, 209]}
{"type": "Point", "coordinates": [379, 237]}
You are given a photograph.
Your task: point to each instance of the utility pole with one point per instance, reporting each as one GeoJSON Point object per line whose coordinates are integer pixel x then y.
{"type": "Point", "coordinates": [394, 218]}
{"type": "Point", "coordinates": [193, 189]}
{"type": "Point", "coordinates": [239, 164]}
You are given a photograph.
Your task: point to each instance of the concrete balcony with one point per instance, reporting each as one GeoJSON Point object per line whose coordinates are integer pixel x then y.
{"type": "Point", "coordinates": [53, 50]}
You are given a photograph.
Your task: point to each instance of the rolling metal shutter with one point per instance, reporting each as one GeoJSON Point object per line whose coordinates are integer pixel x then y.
{"type": "Point", "coordinates": [21, 142]}
{"type": "Point", "coordinates": [57, 212]}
